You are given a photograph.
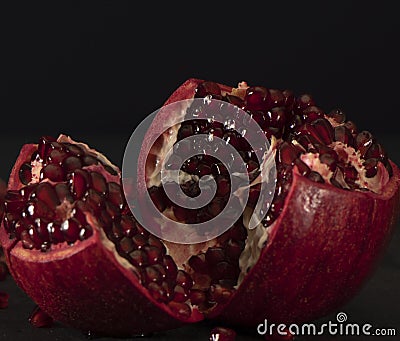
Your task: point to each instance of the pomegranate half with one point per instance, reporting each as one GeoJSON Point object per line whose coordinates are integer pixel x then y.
{"type": "Point", "coordinates": [74, 247]}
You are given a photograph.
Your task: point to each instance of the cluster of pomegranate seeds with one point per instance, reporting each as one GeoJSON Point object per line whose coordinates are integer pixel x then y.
{"type": "Point", "coordinates": [54, 206]}
{"type": "Point", "coordinates": [319, 145]}
{"type": "Point", "coordinates": [61, 185]}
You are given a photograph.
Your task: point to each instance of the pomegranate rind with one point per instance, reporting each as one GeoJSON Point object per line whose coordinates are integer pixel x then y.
{"type": "Point", "coordinates": [321, 250]}
{"type": "Point", "coordinates": [86, 286]}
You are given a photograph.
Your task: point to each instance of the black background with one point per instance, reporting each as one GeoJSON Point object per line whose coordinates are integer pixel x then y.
{"type": "Point", "coordinates": [94, 70]}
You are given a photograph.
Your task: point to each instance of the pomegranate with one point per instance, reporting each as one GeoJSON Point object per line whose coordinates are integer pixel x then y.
{"type": "Point", "coordinates": [73, 245]}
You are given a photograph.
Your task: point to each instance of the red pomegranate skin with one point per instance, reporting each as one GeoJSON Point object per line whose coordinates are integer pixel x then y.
{"type": "Point", "coordinates": [321, 250]}
{"type": "Point", "coordinates": [323, 247]}
{"type": "Point", "coordinates": [84, 286]}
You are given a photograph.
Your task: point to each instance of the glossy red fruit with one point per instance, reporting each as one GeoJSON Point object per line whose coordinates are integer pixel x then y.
{"type": "Point", "coordinates": [323, 242]}
{"type": "Point", "coordinates": [68, 246]}
{"type": "Point", "coordinates": [102, 272]}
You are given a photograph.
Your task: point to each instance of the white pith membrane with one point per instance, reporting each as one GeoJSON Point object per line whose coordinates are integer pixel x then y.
{"type": "Point", "coordinates": [257, 238]}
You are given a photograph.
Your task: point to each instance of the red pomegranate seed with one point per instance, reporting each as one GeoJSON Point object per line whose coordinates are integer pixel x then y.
{"type": "Point", "coordinates": [74, 149]}
{"type": "Point", "coordinates": [63, 192]}
{"type": "Point", "coordinates": [139, 258]}
{"type": "Point", "coordinates": [89, 160]}
{"type": "Point", "coordinates": [26, 240]}
{"type": "Point", "coordinates": [112, 210]}
{"type": "Point", "coordinates": [207, 88]}
{"type": "Point", "coordinates": [40, 319]}
{"type": "Point", "coordinates": [154, 254]}
{"type": "Point", "coordinates": [128, 226]}
{"type": "Point", "coordinates": [46, 193]}
{"type": "Point", "coordinates": [257, 98]}
{"type": "Point", "coordinates": [170, 267]}
{"type": "Point", "coordinates": [185, 130]}
{"type": "Point", "coordinates": [184, 280]}
{"type": "Point", "coordinates": [278, 117]}
{"type": "Point", "coordinates": [158, 292]}
{"type": "Point", "coordinates": [25, 173]}
{"type": "Point", "coordinates": [219, 294]}
{"type": "Point", "coordinates": [235, 100]}
{"type": "Point", "coordinates": [71, 229]}
{"type": "Point", "coordinates": [14, 206]}
{"type": "Point", "coordinates": [38, 209]}
{"type": "Point", "coordinates": [214, 255]}
{"type": "Point", "coordinates": [376, 151]}
{"type": "Point", "coordinates": [197, 297]}
{"type": "Point", "coordinates": [351, 126]}
{"type": "Point", "coordinates": [277, 98]}
{"type": "Point", "coordinates": [287, 153]}
{"type": "Point", "coordinates": [179, 295]}
{"type": "Point", "coordinates": [202, 169]}
{"type": "Point", "coordinates": [223, 270]}
{"type": "Point", "coordinates": [168, 287]}
{"type": "Point", "coordinates": [324, 130]}
{"type": "Point", "coordinates": [342, 134]}
{"type": "Point", "coordinates": [95, 200]}
{"type": "Point", "coordinates": [158, 197]}
{"type": "Point", "coordinates": [98, 183]}
{"type": "Point", "coordinates": [309, 129]}
{"type": "Point", "coordinates": [222, 334]}
{"type": "Point", "coordinates": [198, 263]}
{"type": "Point", "coordinates": [180, 308]}
{"type": "Point", "coordinates": [153, 275]}
{"type": "Point", "coordinates": [139, 240]}
{"type": "Point", "coordinates": [338, 115]}
{"type": "Point", "coordinates": [312, 113]}
{"type": "Point", "coordinates": [329, 161]}
{"type": "Point", "coordinates": [85, 232]}
{"type": "Point", "coordinates": [233, 249]}
{"type": "Point", "coordinates": [115, 194]}
{"type": "Point", "coordinates": [363, 141]}
{"type": "Point", "coordinates": [56, 235]}
{"type": "Point", "coordinates": [71, 163]}
{"type": "Point", "coordinates": [238, 231]}
{"type": "Point", "coordinates": [260, 117]}
{"type": "Point", "coordinates": [154, 241]}
{"type": "Point", "coordinates": [52, 172]}
{"type": "Point", "coordinates": [79, 181]}
{"type": "Point", "coordinates": [371, 167]}
{"type": "Point", "coordinates": [304, 101]}
{"type": "Point", "coordinates": [57, 156]}
{"type": "Point", "coordinates": [44, 146]}
{"type": "Point", "coordinates": [126, 245]}
{"type": "Point", "coordinates": [303, 169]}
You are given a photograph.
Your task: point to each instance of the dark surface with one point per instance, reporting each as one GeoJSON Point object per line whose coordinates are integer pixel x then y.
{"type": "Point", "coordinates": [93, 70]}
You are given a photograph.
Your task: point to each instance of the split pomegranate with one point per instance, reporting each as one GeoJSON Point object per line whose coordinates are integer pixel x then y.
{"type": "Point", "coordinates": [72, 243]}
